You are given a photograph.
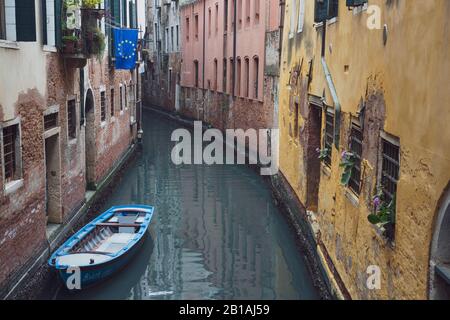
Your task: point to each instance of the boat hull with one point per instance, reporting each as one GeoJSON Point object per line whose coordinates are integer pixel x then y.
{"type": "Point", "coordinates": [90, 276]}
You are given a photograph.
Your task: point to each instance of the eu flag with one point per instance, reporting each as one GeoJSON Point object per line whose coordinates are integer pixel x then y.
{"type": "Point", "coordinates": [125, 47]}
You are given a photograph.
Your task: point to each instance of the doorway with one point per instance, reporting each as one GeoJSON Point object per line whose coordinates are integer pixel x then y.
{"type": "Point", "coordinates": [314, 132]}
{"type": "Point", "coordinates": [440, 254]}
{"type": "Point", "coordinates": [90, 141]}
{"type": "Point", "coordinates": [53, 180]}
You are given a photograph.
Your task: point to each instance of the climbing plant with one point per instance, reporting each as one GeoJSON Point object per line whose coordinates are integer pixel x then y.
{"type": "Point", "coordinates": [347, 163]}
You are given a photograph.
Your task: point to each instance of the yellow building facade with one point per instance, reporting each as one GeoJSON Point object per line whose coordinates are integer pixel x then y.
{"type": "Point", "coordinates": [372, 81]}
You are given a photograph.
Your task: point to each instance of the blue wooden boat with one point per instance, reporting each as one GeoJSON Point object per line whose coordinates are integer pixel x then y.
{"type": "Point", "coordinates": [103, 246]}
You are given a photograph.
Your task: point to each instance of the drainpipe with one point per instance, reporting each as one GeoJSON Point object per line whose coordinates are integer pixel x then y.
{"type": "Point", "coordinates": [204, 43]}
{"type": "Point", "coordinates": [234, 48]}
{"type": "Point", "coordinates": [330, 83]}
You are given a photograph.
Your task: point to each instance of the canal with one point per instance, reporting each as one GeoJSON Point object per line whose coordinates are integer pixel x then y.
{"type": "Point", "coordinates": [216, 232]}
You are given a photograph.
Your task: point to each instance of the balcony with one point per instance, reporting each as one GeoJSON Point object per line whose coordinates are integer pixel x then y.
{"type": "Point", "coordinates": [81, 40]}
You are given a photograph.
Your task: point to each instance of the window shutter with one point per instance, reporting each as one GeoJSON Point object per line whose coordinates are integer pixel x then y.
{"type": "Point", "coordinates": [321, 11]}
{"type": "Point", "coordinates": [25, 20]}
{"type": "Point", "coordinates": [58, 22]}
{"type": "Point", "coordinates": [116, 12]}
{"type": "Point", "coordinates": [301, 16]}
{"type": "Point", "coordinates": [124, 8]}
{"type": "Point", "coordinates": [44, 21]}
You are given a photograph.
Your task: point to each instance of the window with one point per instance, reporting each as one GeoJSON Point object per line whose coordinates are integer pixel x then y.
{"type": "Point", "coordinates": [356, 139]}
{"type": "Point", "coordinates": [216, 22]}
{"type": "Point", "coordinates": [178, 38]}
{"type": "Point", "coordinates": [239, 12]}
{"type": "Point", "coordinates": [169, 89]}
{"type": "Point", "coordinates": [296, 110]}
{"type": "Point", "coordinates": [238, 77]}
{"type": "Point", "coordinates": [11, 153]}
{"type": "Point", "coordinates": [49, 25]}
{"type": "Point", "coordinates": [247, 12]}
{"type": "Point", "coordinates": [71, 119]}
{"type": "Point", "coordinates": [329, 134]}
{"type": "Point", "coordinates": [293, 17]}
{"type": "Point", "coordinates": [196, 73]}
{"type": "Point", "coordinates": [257, 11]}
{"type": "Point", "coordinates": [390, 168]}
{"type": "Point", "coordinates": [166, 40]}
{"type": "Point", "coordinates": [121, 97]}
{"type": "Point", "coordinates": [172, 48]}
{"type": "Point", "coordinates": [301, 16]}
{"type": "Point", "coordinates": [256, 77]}
{"type": "Point", "coordinates": [112, 102]}
{"type": "Point", "coordinates": [247, 77]}
{"type": "Point", "coordinates": [102, 106]}
{"type": "Point", "coordinates": [196, 27]}
{"type": "Point", "coordinates": [215, 75]}
{"type": "Point", "coordinates": [50, 121]}
{"type": "Point", "coordinates": [224, 83]}
{"type": "Point", "coordinates": [187, 29]}
{"type": "Point", "coordinates": [209, 22]}
{"type": "Point", "coordinates": [225, 16]}
{"type": "Point", "coordinates": [2, 20]}
{"type": "Point", "coordinates": [231, 74]}
{"type": "Point", "coordinates": [325, 9]}
{"type": "Point", "coordinates": [125, 95]}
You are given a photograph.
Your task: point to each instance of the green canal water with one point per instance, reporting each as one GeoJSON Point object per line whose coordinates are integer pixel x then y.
{"type": "Point", "coordinates": [216, 232]}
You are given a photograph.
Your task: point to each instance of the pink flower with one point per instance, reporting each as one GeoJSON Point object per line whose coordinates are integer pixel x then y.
{"type": "Point", "coordinates": [344, 154]}
{"type": "Point", "coordinates": [318, 150]}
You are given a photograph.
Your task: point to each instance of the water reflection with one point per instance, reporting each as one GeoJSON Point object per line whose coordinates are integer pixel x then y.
{"type": "Point", "coordinates": [216, 233]}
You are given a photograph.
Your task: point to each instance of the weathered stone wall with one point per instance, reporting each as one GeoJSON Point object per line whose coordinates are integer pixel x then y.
{"type": "Point", "coordinates": [22, 212]}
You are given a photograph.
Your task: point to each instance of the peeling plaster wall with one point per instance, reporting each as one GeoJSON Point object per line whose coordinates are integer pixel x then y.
{"type": "Point", "coordinates": [404, 86]}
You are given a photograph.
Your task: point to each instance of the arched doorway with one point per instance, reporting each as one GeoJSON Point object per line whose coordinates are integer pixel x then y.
{"type": "Point", "coordinates": [440, 253]}
{"type": "Point", "coordinates": [90, 140]}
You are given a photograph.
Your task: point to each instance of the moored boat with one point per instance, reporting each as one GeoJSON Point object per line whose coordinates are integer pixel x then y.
{"type": "Point", "coordinates": [103, 246]}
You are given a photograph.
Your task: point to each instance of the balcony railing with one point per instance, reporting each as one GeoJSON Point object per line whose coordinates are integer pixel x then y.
{"type": "Point", "coordinates": [82, 41]}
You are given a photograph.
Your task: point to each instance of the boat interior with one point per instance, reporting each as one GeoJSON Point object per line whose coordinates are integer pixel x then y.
{"type": "Point", "coordinates": [111, 236]}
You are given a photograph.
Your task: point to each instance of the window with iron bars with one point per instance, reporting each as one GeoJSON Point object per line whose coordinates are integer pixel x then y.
{"type": "Point", "coordinates": [102, 106]}
{"type": "Point", "coordinates": [50, 121]}
{"type": "Point", "coordinates": [71, 119]}
{"type": "Point", "coordinates": [356, 138]}
{"type": "Point", "coordinates": [329, 137]}
{"type": "Point", "coordinates": [390, 169]}
{"type": "Point", "coordinates": [10, 152]}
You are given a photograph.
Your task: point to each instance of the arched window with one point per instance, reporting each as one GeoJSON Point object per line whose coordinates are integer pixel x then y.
{"type": "Point", "coordinates": [255, 77]}
{"type": "Point", "coordinates": [215, 75]}
{"type": "Point", "coordinates": [238, 77]}
{"type": "Point", "coordinates": [247, 77]}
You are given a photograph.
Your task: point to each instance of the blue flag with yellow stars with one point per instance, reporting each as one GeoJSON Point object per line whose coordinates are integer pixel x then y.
{"type": "Point", "coordinates": [125, 48]}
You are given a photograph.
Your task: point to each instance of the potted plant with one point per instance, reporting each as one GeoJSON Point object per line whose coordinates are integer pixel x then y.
{"type": "Point", "coordinates": [347, 163]}
{"type": "Point", "coordinates": [384, 214]}
{"type": "Point", "coordinates": [70, 44]}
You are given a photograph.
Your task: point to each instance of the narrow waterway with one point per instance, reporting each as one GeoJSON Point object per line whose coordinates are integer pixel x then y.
{"type": "Point", "coordinates": [216, 232]}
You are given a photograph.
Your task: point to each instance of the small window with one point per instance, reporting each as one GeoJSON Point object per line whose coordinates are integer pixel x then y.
{"type": "Point", "coordinates": [329, 134]}
{"type": "Point", "coordinates": [238, 77]}
{"type": "Point", "coordinates": [296, 110]}
{"type": "Point", "coordinates": [231, 74]}
{"type": "Point", "coordinates": [2, 20]}
{"type": "Point", "coordinates": [209, 22]}
{"type": "Point", "coordinates": [121, 97]}
{"type": "Point", "coordinates": [247, 12]}
{"type": "Point", "coordinates": [187, 29]}
{"type": "Point", "coordinates": [216, 22]}
{"type": "Point", "coordinates": [71, 119]}
{"type": "Point", "coordinates": [102, 106]}
{"type": "Point", "coordinates": [301, 16]}
{"type": "Point", "coordinates": [196, 27]}
{"type": "Point", "coordinates": [239, 12]}
{"type": "Point", "coordinates": [257, 11]}
{"type": "Point", "coordinates": [112, 102]}
{"type": "Point", "coordinates": [325, 10]}
{"type": "Point", "coordinates": [51, 121]}
{"type": "Point", "coordinates": [256, 77]}
{"type": "Point", "coordinates": [215, 75]}
{"type": "Point", "coordinates": [11, 153]}
{"type": "Point", "coordinates": [196, 73]}
{"type": "Point", "coordinates": [225, 16]}
{"type": "Point", "coordinates": [390, 171]}
{"type": "Point", "coordinates": [247, 77]}
{"type": "Point", "coordinates": [224, 84]}
{"type": "Point", "coordinates": [356, 138]}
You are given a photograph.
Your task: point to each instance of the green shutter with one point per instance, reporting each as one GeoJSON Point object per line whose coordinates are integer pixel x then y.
{"type": "Point", "coordinates": [44, 21]}
{"type": "Point", "coordinates": [321, 11]}
{"type": "Point", "coordinates": [116, 11]}
{"type": "Point", "coordinates": [124, 6]}
{"type": "Point", "coordinates": [25, 20]}
{"type": "Point", "coordinates": [58, 22]}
